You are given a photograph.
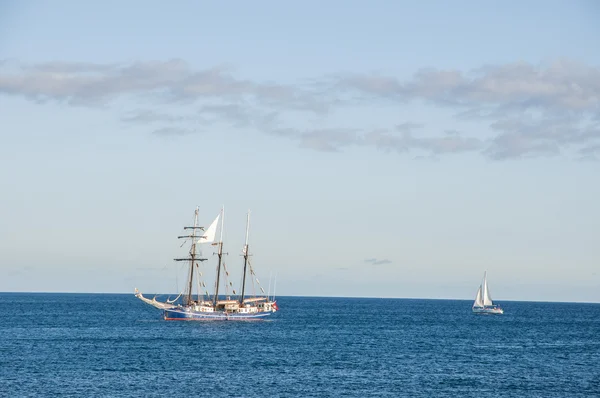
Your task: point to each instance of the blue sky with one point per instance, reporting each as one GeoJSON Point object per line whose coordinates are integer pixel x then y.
{"type": "Point", "coordinates": [385, 148]}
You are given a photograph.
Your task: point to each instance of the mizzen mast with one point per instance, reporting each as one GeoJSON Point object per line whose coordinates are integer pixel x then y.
{"type": "Point", "coordinates": [246, 254]}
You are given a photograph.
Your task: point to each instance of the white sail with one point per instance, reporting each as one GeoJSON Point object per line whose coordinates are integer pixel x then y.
{"type": "Point", "coordinates": [478, 301]}
{"type": "Point", "coordinates": [209, 234]}
{"type": "Point", "coordinates": [245, 249]}
{"type": "Point", "coordinates": [487, 299]}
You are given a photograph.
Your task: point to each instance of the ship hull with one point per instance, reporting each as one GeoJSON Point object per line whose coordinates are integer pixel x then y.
{"type": "Point", "coordinates": [488, 310]}
{"type": "Point", "coordinates": [183, 314]}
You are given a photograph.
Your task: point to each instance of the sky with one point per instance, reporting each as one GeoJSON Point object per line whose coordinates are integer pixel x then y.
{"type": "Point", "coordinates": [384, 148]}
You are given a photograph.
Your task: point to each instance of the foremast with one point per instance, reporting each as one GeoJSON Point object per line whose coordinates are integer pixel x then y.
{"type": "Point", "coordinates": [193, 257]}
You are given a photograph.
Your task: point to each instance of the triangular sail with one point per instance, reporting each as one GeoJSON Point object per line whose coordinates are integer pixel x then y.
{"type": "Point", "coordinates": [478, 301]}
{"type": "Point", "coordinates": [487, 299]}
{"type": "Point", "coordinates": [209, 234]}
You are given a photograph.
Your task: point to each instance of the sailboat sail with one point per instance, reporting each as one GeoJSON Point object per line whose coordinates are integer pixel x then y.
{"type": "Point", "coordinates": [209, 234]}
{"type": "Point", "coordinates": [478, 301]}
{"type": "Point", "coordinates": [487, 300]}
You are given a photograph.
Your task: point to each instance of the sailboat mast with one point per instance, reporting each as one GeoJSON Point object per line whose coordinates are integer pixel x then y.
{"type": "Point", "coordinates": [220, 254]}
{"type": "Point", "coordinates": [246, 253]}
{"type": "Point", "coordinates": [187, 299]}
{"type": "Point", "coordinates": [192, 257]}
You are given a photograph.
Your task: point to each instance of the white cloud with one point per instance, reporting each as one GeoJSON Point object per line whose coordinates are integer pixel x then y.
{"type": "Point", "coordinates": [174, 80]}
{"type": "Point", "coordinates": [376, 261]}
{"type": "Point", "coordinates": [172, 131]}
{"type": "Point", "coordinates": [562, 85]}
{"type": "Point", "coordinates": [530, 110]}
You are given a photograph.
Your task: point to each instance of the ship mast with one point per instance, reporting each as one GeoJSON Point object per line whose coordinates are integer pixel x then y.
{"type": "Point", "coordinates": [220, 254]}
{"type": "Point", "coordinates": [246, 254]}
{"type": "Point", "coordinates": [192, 258]}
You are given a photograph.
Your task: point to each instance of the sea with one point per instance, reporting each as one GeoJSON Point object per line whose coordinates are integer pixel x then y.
{"type": "Point", "coordinates": [114, 345]}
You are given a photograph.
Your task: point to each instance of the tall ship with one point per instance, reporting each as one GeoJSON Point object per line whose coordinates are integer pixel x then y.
{"type": "Point", "coordinates": [204, 305]}
{"type": "Point", "coordinates": [483, 303]}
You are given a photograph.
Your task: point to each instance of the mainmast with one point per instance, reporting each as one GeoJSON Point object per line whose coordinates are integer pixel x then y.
{"type": "Point", "coordinates": [192, 258]}
{"type": "Point", "coordinates": [246, 254]}
{"type": "Point", "coordinates": [220, 254]}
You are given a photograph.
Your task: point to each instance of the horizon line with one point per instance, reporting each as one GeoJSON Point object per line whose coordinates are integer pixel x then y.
{"type": "Point", "coordinates": [317, 296]}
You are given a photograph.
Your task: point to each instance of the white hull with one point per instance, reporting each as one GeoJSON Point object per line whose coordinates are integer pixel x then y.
{"type": "Point", "coordinates": [488, 310]}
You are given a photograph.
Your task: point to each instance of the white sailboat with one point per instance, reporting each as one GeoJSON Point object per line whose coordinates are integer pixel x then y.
{"type": "Point", "coordinates": [483, 303]}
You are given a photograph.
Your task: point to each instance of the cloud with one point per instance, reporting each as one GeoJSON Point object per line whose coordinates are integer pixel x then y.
{"type": "Point", "coordinates": [82, 84]}
{"type": "Point", "coordinates": [533, 110]}
{"type": "Point", "coordinates": [238, 115]}
{"type": "Point", "coordinates": [522, 109]}
{"type": "Point", "coordinates": [150, 116]}
{"type": "Point", "coordinates": [590, 150]}
{"type": "Point", "coordinates": [590, 153]}
{"type": "Point", "coordinates": [562, 85]}
{"type": "Point", "coordinates": [324, 140]}
{"type": "Point", "coordinates": [451, 142]}
{"type": "Point", "coordinates": [70, 67]}
{"type": "Point", "coordinates": [172, 80]}
{"type": "Point", "coordinates": [375, 261]}
{"type": "Point", "coordinates": [172, 131]}
{"type": "Point", "coordinates": [400, 140]}
{"type": "Point", "coordinates": [527, 136]}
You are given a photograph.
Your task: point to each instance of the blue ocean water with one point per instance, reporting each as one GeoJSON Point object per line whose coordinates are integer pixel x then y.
{"type": "Point", "coordinates": [116, 346]}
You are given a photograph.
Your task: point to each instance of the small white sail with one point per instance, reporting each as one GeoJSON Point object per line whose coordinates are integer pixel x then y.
{"type": "Point", "coordinates": [478, 301]}
{"type": "Point", "coordinates": [209, 234]}
{"type": "Point", "coordinates": [487, 299]}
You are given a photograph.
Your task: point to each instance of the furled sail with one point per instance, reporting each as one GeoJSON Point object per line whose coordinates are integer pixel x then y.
{"type": "Point", "coordinates": [153, 302]}
{"type": "Point", "coordinates": [478, 301]}
{"type": "Point", "coordinates": [172, 301]}
{"type": "Point", "coordinates": [209, 234]}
